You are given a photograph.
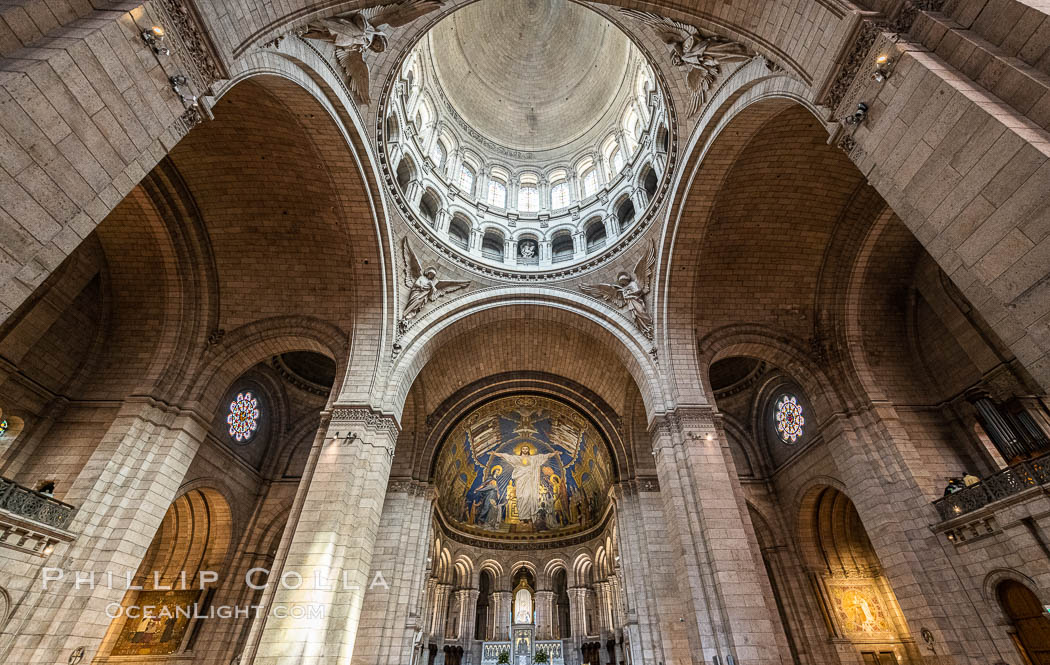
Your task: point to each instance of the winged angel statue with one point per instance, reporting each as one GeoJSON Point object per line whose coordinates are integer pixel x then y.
{"type": "Point", "coordinates": [423, 285]}
{"type": "Point", "coordinates": [630, 291]}
{"type": "Point", "coordinates": [703, 55]}
{"type": "Point", "coordinates": [354, 33]}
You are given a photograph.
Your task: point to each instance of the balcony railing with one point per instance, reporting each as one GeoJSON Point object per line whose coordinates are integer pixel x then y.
{"type": "Point", "coordinates": [24, 502]}
{"type": "Point", "coordinates": [1011, 480]}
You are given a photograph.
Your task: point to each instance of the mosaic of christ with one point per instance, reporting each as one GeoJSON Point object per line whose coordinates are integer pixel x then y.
{"type": "Point", "coordinates": [523, 465]}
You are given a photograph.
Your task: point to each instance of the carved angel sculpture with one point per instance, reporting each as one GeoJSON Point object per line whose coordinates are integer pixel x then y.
{"type": "Point", "coordinates": [423, 285]}
{"type": "Point", "coordinates": [355, 32]}
{"type": "Point", "coordinates": [630, 291]}
{"type": "Point", "coordinates": [702, 54]}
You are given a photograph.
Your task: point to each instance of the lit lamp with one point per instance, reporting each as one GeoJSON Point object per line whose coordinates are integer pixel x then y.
{"type": "Point", "coordinates": [883, 68]}
{"type": "Point", "coordinates": [154, 37]}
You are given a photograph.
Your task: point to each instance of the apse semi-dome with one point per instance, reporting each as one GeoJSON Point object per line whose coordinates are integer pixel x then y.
{"type": "Point", "coordinates": [525, 136]}
{"type": "Point", "coordinates": [523, 467]}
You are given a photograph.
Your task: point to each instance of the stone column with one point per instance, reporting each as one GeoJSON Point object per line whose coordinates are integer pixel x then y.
{"type": "Point", "coordinates": [468, 609]}
{"type": "Point", "coordinates": [546, 253]}
{"type": "Point", "coordinates": [122, 495]}
{"type": "Point", "coordinates": [579, 244]}
{"type": "Point", "coordinates": [724, 609]}
{"type": "Point", "coordinates": [544, 615]}
{"type": "Point", "coordinates": [439, 618]}
{"type": "Point", "coordinates": [392, 615]}
{"type": "Point", "coordinates": [578, 613]}
{"type": "Point", "coordinates": [612, 227]}
{"type": "Point", "coordinates": [503, 615]}
{"type": "Point", "coordinates": [442, 221]}
{"type": "Point", "coordinates": [333, 543]}
{"type": "Point", "coordinates": [604, 606]}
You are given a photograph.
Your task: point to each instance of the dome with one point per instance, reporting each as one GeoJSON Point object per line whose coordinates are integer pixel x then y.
{"type": "Point", "coordinates": [523, 468]}
{"type": "Point", "coordinates": [546, 69]}
{"type": "Point", "coordinates": [527, 136]}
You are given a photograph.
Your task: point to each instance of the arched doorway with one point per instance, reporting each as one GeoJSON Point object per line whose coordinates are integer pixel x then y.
{"type": "Point", "coordinates": [1031, 634]}
{"type": "Point", "coordinates": [859, 604]}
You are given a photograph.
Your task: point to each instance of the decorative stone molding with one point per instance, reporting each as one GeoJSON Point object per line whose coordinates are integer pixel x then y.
{"type": "Point", "coordinates": [867, 33]}
{"type": "Point", "coordinates": [372, 420]}
{"type": "Point", "coordinates": [185, 31]}
{"type": "Point", "coordinates": [408, 486]}
{"type": "Point", "coordinates": [190, 118]}
{"type": "Point", "coordinates": [978, 528]}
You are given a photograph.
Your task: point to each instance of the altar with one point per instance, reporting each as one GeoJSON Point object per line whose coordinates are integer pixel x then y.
{"type": "Point", "coordinates": [522, 648]}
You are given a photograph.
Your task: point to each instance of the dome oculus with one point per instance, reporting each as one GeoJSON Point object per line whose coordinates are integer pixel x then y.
{"type": "Point", "coordinates": [526, 119]}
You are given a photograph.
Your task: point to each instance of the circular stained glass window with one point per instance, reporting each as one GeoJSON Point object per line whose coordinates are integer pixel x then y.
{"type": "Point", "coordinates": [3, 427]}
{"type": "Point", "coordinates": [244, 416]}
{"type": "Point", "coordinates": [788, 419]}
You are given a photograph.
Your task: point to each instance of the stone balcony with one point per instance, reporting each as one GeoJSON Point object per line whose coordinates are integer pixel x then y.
{"type": "Point", "coordinates": [30, 521]}
{"type": "Point", "coordinates": [1005, 483]}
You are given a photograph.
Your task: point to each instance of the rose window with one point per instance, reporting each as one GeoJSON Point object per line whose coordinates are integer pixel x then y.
{"type": "Point", "coordinates": [788, 418]}
{"type": "Point", "coordinates": [244, 417]}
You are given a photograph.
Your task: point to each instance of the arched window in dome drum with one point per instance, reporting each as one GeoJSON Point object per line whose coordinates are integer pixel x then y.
{"type": "Point", "coordinates": [649, 183]}
{"type": "Point", "coordinates": [465, 181]}
{"type": "Point", "coordinates": [429, 206]}
{"type": "Point", "coordinates": [438, 153]}
{"type": "Point", "coordinates": [528, 198]}
{"type": "Point", "coordinates": [595, 235]}
{"type": "Point", "coordinates": [560, 195]}
{"type": "Point", "coordinates": [497, 194]}
{"type": "Point", "coordinates": [459, 232]}
{"type": "Point", "coordinates": [492, 246]}
{"type": "Point", "coordinates": [406, 173]}
{"type": "Point", "coordinates": [625, 213]}
{"type": "Point", "coordinates": [590, 181]}
{"type": "Point", "coordinates": [561, 247]}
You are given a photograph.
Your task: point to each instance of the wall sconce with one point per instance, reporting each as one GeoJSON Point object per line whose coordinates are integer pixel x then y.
{"type": "Point", "coordinates": [154, 38]}
{"type": "Point", "coordinates": [883, 68]}
{"type": "Point", "coordinates": [858, 116]}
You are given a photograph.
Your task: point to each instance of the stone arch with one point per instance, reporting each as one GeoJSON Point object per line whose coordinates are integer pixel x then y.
{"type": "Point", "coordinates": [991, 582]}
{"type": "Point", "coordinates": [406, 172]}
{"type": "Point", "coordinates": [258, 342]}
{"type": "Point", "coordinates": [777, 349]}
{"type": "Point", "coordinates": [495, 307]}
{"type": "Point", "coordinates": [582, 570]}
{"type": "Point", "coordinates": [320, 101]}
{"type": "Point", "coordinates": [744, 104]}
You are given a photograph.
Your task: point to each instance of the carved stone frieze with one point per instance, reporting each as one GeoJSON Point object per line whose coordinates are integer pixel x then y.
{"type": "Point", "coordinates": [363, 416]}
{"type": "Point", "coordinates": [190, 44]}
{"type": "Point", "coordinates": [869, 31]}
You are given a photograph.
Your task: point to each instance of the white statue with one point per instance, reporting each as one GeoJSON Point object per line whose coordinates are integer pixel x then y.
{"type": "Point", "coordinates": [630, 290]}
{"type": "Point", "coordinates": [423, 285]}
{"type": "Point", "coordinates": [703, 54]}
{"type": "Point", "coordinates": [355, 32]}
{"type": "Point", "coordinates": [523, 606]}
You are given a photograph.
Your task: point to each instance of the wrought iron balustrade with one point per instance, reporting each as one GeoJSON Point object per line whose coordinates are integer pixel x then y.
{"type": "Point", "coordinates": [24, 502]}
{"type": "Point", "coordinates": [1004, 483]}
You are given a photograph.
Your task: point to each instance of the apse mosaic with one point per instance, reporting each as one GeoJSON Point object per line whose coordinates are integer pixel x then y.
{"type": "Point", "coordinates": [523, 464]}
